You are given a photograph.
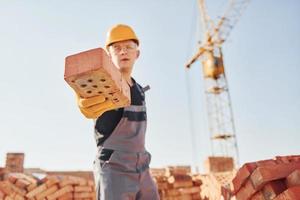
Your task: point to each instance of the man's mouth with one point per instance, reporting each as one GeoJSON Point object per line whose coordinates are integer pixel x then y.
{"type": "Point", "coordinates": [124, 59]}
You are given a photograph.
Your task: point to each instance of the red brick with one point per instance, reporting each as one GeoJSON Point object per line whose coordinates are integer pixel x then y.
{"type": "Point", "coordinates": [179, 177]}
{"type": "Point", "coordinates": [1, 194]}
{"type": "Point", "coordinates": [282, 159]}
{"type": "Point", "coordinates": [246, 191]}
{"type": "Point", "coordinates": [243, 173]}
{"type": "Point", "coordinates": [218, 164]}
{"type": "Point", "coordinates": [273, 188]}
{"type": "Point", "coordinates": [190, 190]}
{"type": "Point", "coordinates": [14, 162]}
{"type": "Point", "coordinates": [60, 192]}
{"type": "Point", "coordinates": [226, 193]}
{"type": "Point", "coordinates": [292, 193]}
{"type": "Point", "coordinates": [258, 196]}
{"type": "Point", "coordinates": [86, 61]}
{"type": "Point", "coordinates": [268, 162]}
{"type": "Point", "coordinates": [197, 196]}
{"type": "Point", "coordinates": [287, 159]}
{"type": "Point", "coordinates": [92, 72]}
{"type": "Point", "coordinates": [22, 183]}
{"type": "Point", "coordinates": [178, 181]}
{"type": "Point", "coordinates": [293, 179]}
{"type": "Point", "coordinates": [177, 170]}
{"type": "Point", "coordinates": [264, 174]}
{"type": "Point", "coordinates": [36, 191]}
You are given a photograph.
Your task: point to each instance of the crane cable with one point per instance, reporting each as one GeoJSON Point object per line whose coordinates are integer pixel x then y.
{"type": "Point", "coordinates": [195, 160]}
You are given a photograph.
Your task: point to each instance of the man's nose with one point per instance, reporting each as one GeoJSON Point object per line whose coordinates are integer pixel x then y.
{"type": "Point", "coordinates": [123, 50]}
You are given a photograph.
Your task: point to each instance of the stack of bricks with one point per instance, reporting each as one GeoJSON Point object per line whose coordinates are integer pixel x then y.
{"type": "Point", "coordinates": [14, 162]}
{"type": "Point", "coordinates": [18, 186]}
{"type": "Point", "coordinates": [216, 182]}
{"type": "Point", "coordinates": [177, 183]}
{"type": "Point", "coordinates": [277, 179]}
{"type": "Point", "coordinates": [217, 185]}
{"type": "Point", "coordinates": [218, 164]}
{"type": "Point", "coordinates": [3, 171]}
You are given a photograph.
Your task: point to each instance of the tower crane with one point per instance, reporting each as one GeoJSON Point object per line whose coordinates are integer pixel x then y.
{"type": "Point", "coordinates": [220, 115]}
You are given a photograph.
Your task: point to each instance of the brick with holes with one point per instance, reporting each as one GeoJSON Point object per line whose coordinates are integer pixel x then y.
{"type": "Point", "coordinates": [91, 73]}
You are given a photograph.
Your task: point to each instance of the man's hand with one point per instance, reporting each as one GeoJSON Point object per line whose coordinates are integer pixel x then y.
{"type": "Point", "coordinates": [94, 107]}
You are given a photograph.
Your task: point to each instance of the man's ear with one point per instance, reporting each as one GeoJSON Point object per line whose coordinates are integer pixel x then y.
{"type": "Point", "coordinates": [138, 54]}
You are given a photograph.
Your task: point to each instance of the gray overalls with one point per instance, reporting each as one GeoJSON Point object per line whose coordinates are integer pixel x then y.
{"type": "Point", "coordinates": [125, 175]}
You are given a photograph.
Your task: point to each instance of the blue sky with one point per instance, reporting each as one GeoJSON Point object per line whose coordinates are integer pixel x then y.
{"type": "Point", "coordinates": [39, 115]}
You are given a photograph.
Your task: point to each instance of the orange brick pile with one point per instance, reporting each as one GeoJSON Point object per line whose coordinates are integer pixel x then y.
{"type": "Point", "coordinates": [14, 162]}
{"type": "Point", "coordinates": [217, 185]}
{"type": "Point", "coordinates": [277, 179]}
{"type": "Point", "coordinates": [177, 183]}
{"type": "Point", "coordinates": [18, 186]}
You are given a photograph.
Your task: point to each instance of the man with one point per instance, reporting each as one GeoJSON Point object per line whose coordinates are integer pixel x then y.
{"type": "Point", "coordinates": [122, 162]}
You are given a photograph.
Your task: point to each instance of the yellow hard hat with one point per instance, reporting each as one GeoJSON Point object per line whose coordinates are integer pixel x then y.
{"type": "Point", "coordinates": [120, 32]}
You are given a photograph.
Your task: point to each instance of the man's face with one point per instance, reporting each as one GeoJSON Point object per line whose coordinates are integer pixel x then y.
{"type": "Point", "coordinates": [124, 54]}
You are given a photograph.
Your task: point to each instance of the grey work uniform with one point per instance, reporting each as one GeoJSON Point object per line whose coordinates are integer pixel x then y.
{"type": "Point", "coordinates": [121, 166]}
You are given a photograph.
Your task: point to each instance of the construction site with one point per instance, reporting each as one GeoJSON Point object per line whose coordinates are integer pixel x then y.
{"type": "Point", "coordinates": [206, 140]}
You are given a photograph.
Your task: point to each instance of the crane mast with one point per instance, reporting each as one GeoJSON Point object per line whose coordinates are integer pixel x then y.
{"type": "Point", "coordinates": [219, 107]}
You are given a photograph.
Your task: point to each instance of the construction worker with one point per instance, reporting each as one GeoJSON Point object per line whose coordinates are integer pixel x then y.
{"type": "Point", "coordinates": [122, 163]}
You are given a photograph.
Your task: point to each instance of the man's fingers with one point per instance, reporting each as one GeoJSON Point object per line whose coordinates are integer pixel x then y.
{"type": "Point", "coordinates": [95, 106]}
{"type": "Point", "coordinates": [99, 113]}
{"type": "Point", "coordinates": [87, 102]}
{"type": "Point", "coordinates": [107, 105]}
{"type": "Point", "coordinates": [88, 115]}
